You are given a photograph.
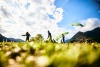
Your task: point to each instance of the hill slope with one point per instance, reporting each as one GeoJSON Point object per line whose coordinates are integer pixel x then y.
{"type": "Point", "coordinates": [89, 36]}
{"type": "Point", "coordinates": [3, 38]}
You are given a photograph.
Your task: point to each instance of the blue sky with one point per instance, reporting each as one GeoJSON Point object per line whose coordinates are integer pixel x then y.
{"type": "Point", "coordinates": [39, 16]}
{"type": "Point", "coordinates": [76, 10]}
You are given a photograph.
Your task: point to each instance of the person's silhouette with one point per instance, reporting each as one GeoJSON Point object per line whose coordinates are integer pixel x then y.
{"type": "Point", "coordinates": [63, 38]}
{"type": "Point", "coordinates": [49, 36]}
{"type": "Point", "coordinates": [27, 36]}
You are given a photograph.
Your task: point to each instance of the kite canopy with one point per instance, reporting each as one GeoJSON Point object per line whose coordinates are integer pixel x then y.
{"type": "Point", "coordinates": [60, 35]}
{"type": "Point", "coordinates": [76, 24]}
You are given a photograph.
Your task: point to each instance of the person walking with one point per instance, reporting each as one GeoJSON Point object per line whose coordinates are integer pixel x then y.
{"type": "Point", "coordinates": [49, 36]}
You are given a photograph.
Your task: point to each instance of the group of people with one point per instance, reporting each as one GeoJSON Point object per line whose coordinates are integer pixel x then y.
{"type": "Point", "coordinates": [49, 37]}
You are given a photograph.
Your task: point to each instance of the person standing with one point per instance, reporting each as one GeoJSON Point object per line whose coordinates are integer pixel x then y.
{"type": "Point", "coordinates": [63, 38]}
{"type": "Point", "coordinates": [27, 36]}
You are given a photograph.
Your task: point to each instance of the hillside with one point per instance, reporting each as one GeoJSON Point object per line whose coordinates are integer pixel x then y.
{"type": "Point", "coordinates": [16, 40]}
{"type": "Point", "coordinates": [89, 36]}
{"type": "Point", "coordinates": [3, 38]}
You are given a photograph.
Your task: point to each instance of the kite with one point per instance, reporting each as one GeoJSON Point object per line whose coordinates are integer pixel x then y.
{"type": "Point", "coordinates": [60, 35]}
{"type": "Point", "coordinates": [76, 24]}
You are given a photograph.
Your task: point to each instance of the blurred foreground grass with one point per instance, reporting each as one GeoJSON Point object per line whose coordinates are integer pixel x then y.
{"type": "Point", "coordinates": [30, 54]}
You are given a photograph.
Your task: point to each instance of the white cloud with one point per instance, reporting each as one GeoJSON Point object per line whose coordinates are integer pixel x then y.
{"type": "Point", "coordinates": [89, 24]}
{"type": "Point", "coordinates": [1, 30]}
{"type": "Point", "coordinates": [20, 16]}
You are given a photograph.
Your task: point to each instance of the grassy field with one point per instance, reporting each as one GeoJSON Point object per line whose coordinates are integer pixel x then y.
{"type": "Point", "coordinates": [30, 54]}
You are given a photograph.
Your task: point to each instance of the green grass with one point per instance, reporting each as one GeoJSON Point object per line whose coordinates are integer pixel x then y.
{"type": "Point", "coordinates": [30, 54]}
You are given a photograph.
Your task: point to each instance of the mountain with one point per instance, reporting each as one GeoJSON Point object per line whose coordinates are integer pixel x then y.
{"type": "Point", "coordinates": [3, 38]}
{"type": "Point", "coordinates": [16, 40]}
{"type": "Point", "coordinates": [89, 36]}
